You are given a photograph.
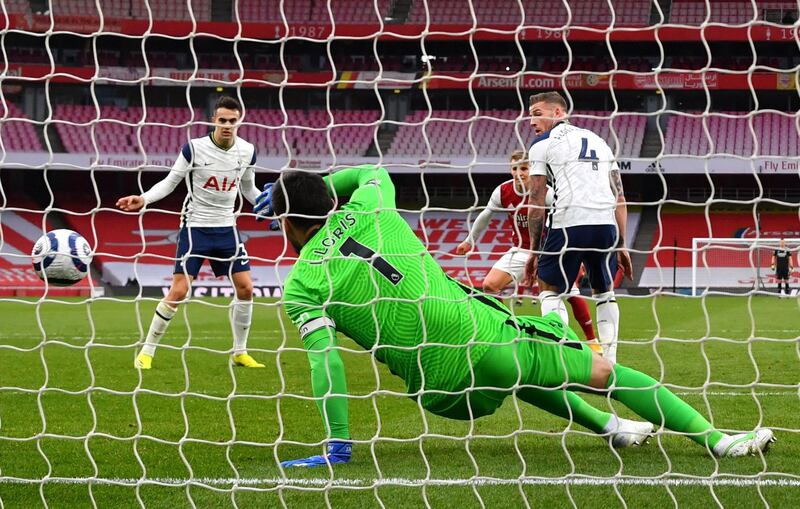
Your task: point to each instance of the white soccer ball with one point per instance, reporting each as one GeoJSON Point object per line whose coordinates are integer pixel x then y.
{"type": "Point", "coordinates": [61, 257]}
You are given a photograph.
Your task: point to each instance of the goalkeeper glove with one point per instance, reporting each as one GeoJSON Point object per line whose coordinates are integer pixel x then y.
{"type": "Point", "coordinates": [338, 452]}
{"type": "Point", "coordinates": [263, 206]}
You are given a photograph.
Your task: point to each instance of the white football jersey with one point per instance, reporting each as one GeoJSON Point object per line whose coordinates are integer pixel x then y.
{"type": "Point", "coordinates": [214, 178]}
{"type": "Point", "coordinates": [576, 163]}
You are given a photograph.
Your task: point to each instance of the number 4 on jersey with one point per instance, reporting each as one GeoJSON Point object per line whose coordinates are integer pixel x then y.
{"type": "Point", "coordinates": [352, 247]}
{"type": "Point", "coordinates": [591, 156]}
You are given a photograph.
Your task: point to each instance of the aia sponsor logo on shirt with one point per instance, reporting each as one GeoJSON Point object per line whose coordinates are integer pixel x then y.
{"type": "Point", "coordinates": [213, 184]}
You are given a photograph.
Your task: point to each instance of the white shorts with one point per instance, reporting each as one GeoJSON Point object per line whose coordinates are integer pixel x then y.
{"type": "Point", "coordinates": [513, 263]}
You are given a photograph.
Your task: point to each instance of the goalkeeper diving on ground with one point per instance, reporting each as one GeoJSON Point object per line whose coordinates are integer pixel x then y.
{"type": "Point", "coordinates": [363, 272]}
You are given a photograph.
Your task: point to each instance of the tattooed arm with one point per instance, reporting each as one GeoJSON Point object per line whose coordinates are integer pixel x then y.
{"type": "Point", "coordinates": [536, 209]}
{"type": "Point", "coordinates": [621, 212]}
{"type": "Point", "coordinates": [621, 215]}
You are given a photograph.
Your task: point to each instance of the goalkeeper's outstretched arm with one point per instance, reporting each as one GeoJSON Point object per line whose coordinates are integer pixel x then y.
{"type": "Point", "coordinates": [328, 382]}
{"type": "Point", "coordinates": [329, 386]}
{"type": "Point", "coordinates": [367, 183]}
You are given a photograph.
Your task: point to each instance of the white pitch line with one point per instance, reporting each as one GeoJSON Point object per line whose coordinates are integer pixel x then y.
{"type": "Point", "coordinates": [717, 394]}
{"type": "Point", "coordinates": [733, 394]}
{"type": "Point", "coordinates": [399, 481]}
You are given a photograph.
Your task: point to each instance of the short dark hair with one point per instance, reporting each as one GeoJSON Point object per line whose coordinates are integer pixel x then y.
{"type": "Point", "coordinates": [300, 194]}
{"type": "Point", "coordinates": [227, 102]}
{"type": "Point", "coordinates": [551, 97]}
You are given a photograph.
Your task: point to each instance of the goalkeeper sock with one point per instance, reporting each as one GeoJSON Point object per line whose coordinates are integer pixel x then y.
{"type": "Point", "coordinates": [550, 302]}
{"type": "Point", "coordinates": [241, 317]}
{"type": "Point", "coordinates": [608, 324]}
{"type": "Point", "coordinates": [580, 310]}
{"type": "Point", "coordinates": [650, 401]}
{"type": "Point", "coordinates": [161, 318]}
{"type": "Point", "coordinates": [568, 405]}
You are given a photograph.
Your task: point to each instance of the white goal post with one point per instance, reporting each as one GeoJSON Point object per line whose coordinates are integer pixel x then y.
{"type": "Point", "coordinates": [719, 262]}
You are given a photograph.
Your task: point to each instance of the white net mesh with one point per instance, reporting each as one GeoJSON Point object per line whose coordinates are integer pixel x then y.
{"type": "Point", "coordinates": [99, 97]}
{"type": "Point", "coordinates": [741, 262]}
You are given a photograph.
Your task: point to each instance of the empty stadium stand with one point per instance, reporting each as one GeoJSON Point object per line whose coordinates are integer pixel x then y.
{"type": "Point", "coordinates": [305, 133]}
{"type": "Point", "coordinates": [539, 12]}
{"type": "Point", "coordinates": [136, 9]}
{"type": "Point", "coordinates": [693, 12]}
{"type": "Point", "coordinates": [778, 134]}
{"type": "Point", "coordinates": [18, 135]}
{"type": "Point", "coordinates": [499, 132]}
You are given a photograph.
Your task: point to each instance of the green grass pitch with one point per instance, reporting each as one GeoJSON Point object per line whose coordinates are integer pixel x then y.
{"type": "Point", "coordinates": [72, 408]}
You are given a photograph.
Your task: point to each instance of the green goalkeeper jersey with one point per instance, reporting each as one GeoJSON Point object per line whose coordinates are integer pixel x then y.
{"type": "Point", "coordinates": [366, 274]}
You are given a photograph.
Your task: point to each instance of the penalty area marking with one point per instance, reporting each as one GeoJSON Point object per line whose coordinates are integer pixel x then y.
{"type": "Point", "coordinates": [399, 481]}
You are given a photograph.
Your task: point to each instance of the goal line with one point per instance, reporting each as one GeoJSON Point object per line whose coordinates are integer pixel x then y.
{"type": "Point", "coordinates": [275, 482]}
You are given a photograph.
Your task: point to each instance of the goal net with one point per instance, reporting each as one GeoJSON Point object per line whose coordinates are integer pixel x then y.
{"type": "Point", "coordinates": [698, 101]}
{"type": "Point", "coordinates": [739, 263]}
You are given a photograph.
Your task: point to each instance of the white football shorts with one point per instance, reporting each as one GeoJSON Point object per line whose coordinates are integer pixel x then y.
{"type": "Point", "coordinates": [513, 263]}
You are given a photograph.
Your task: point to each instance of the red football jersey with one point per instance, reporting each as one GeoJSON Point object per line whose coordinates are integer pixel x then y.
{"type": "Point", "coordinates": [517, 214]}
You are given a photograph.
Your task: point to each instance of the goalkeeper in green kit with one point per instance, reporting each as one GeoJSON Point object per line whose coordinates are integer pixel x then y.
{"type": "Point", "coordinates": [362, 271]}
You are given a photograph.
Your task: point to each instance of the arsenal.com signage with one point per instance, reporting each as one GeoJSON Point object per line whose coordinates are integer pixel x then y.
{"type": "Point", "coordinates": [344, 79]}
{"type": "Point", "coordinates": [620, 80]}
{"type": "Point", "coordinates": [271, 164]}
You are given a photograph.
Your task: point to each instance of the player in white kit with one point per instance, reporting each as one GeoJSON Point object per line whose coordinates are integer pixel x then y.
{"type": "Point", "coordinates": [216, 169]}
{"type": "Point", "coordinates": [587, 222]}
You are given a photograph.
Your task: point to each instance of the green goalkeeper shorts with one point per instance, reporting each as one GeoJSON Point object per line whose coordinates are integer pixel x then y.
{"type": "Point", "coordinates": [539, 357]}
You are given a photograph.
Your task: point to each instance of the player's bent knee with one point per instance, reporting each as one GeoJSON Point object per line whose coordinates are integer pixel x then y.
{"type": "Point", "coordinates": [245, 292]}
{"type": "Point", "coordinates": [176, 296]}
{"type": "Point", "coordinates": [491, 287]}
{"type": "Point", "coordinates": [177, 291]}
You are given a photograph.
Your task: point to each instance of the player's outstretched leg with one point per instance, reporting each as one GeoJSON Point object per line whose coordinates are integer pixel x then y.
{"type": "Point", "coordinates": [642, 394]}
{"type": "Point", "coordinates": [241, 317]}
{"type": "Point", "coordinates": [499, 367]}
{"type": "Point", "coordinates": [553, 363]}
{"type": "Point", "coordinates": [570, 406]}
{"type": "Point", "coordinates": [165, 310]}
